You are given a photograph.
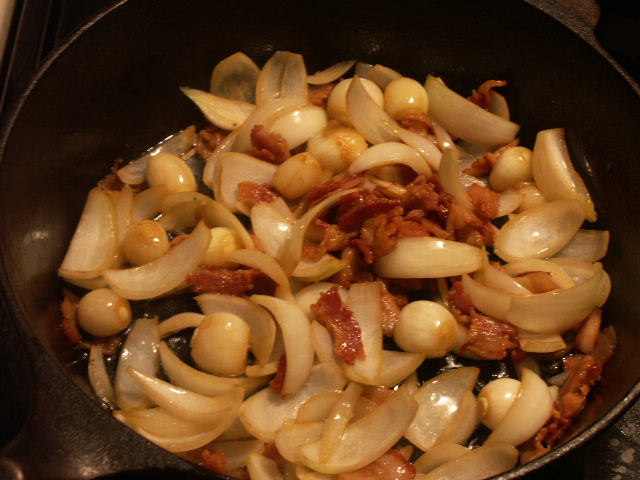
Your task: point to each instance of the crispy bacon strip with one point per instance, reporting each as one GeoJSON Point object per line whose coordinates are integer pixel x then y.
{"type": "Point", "coordinates": [482, 96]}
{"type": "Point", "coordinates": [359, 206]}
{"type": "Point", "coordinates": [489, 338]}
{"type": "Point", "coordinates": [335, 185]}
{"type": "Point", "coordinates": [318, 94]}
{"type": "Point", "coordinates": [390, 308]}
{"type": "Point", "coordinates": [278, 380]}
{"type": "Point", "coordinates": [269, 146]}
{"type": "Point", "coordinates": [222, 280]}
{"type": "Point", "coordinates": [251, 193]}
{"type": "Point", "coordinates": [390, 466]}
{"type": "Point", "coordinates": [344, 327]}
{"type": "Point", "coordinates": [208, 140]}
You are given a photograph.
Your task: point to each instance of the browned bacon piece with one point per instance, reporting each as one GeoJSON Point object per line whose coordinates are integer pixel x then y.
{"type": "Point", "coordinates": [390, 466]}
{"type": "Point", "coordinates": [358, 206]}
{"type": "Point", "coordinates": [344, 327]}
{"type": "Point", "coordinates": [278, 380]}
{"type": "Point", "coordinates": [483, 165]}
{"type": "Point", "coordinates": [420, 124]}
{"type": "Point", "coordinates": [208, 140]}
{"type": "Point", "coordinates": [335, 185]}
{"type": "Point", "coordinates": [318, 94]}
{"type": "Point", "coordinates": [489, 338]}
{"type": "Point", "coordinates": [482, 96]}
{"type": "Point", "coordinates": [222, 280]}
{"type": "Point", "coordinates": [214, 459]}
{"type": "Point", "coordinates": [269, 146]}
{"type": "Point", "coordinates": [484, 200]}
{"type": "Point", "coordinates": [390, 308]}
{"type": "Point", "coordinates": [251, 193]}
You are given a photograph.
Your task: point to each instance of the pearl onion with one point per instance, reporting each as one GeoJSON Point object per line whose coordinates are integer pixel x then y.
{"type": "Point", "coordinates": [337, 101]}
{"type": "Point", "coordinates": [103, 313]}
{"type": "Point", "coordinates": [495, 400]}
{"type": "Point", "coordinates": [296, 175]}
{"type": "Point", "coordinates": [144, 242]}
{"type": "Point", "coordinates": [220, 344]}
{"type": "Point", "coordinates": [336, 147]}
{"type": "Point", "coordinates": [405, 96]}
{"type": "Point", "coordinates": [223, 240]}
{"type": "Point", "coordinates": [513, 166]}
{"type": "Point", "coordinates": [172, 171]}
{"type": "Point", "coordinates": [426, 327]}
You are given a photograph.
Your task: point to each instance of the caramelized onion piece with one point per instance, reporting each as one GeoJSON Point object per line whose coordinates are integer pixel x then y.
{"type": "Point", "coordinates": [283, 76]}
{"type": "Point", "coordinates": [222, 112]}
{"type": "Point", "coordinates": [390, 153]}
{"type": "Point", "coordinates": [367, 117]}
{"type": "Point", "coordinates": [164, 274]}
{"type": "Point", "coordinates": [99, 377]}
{"type": "Point", "coordinates": [330, 74]}
{"type": "Point", "coordinates": [478, 464]}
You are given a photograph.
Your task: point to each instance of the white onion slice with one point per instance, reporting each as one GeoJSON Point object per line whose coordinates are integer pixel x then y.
{"type": "Point", "coordinates": [528, 413]}
{"type": "Point", "coordinates": [262, 327]}
{"type": "Point", "coordinates": [438, 400]}
{"type": "Point", "coordinates": [187, 405]}
{"type": "Point", "coordinates": [184, 444]}
{"type": "Point", "coordinates": [326, 266]}
{"type": "Point", "coordinates": [264, 412]}
{"type": "Point", "coordinates": [367, 117]}
{"type": "Point", "coordinates": [233, 168]}
{"type": "Point", "coordinates": [556, 273]}
{"type": "Point", "coordinates": [558, 310]}
{"type": "Point", "coordinates": [390, 153]}
{"type": "Point", "coordinates": [157, 421]}
{"type": "Point", "coordinates": [540, 342]}
{"type": "Point", "coordinates": [236, 452]}
{"type": "Point", "coordinates": [382, 76]}
{"type": "Point", "coordinates": [330, 74]}
{"type": "Point", "coordinates": [498, 278]}
{"type": "Point", "coordinates": [490, 301]}
{"type": "Point", "coordinates": [539, 232]}
{"type": "Point", "coordinates": [146, 204]}
{"type": "Point", "coordinates": [478, 464]}
{"type": "Point", "coordinates": [429, 257]}
{"type": "Point", "coordinates": [222, 112]}
{"type": "Point", "coordinates": [283, 76]}
{"type": "Point", "coordinates": [299, 229]}
{"type": "Point", "coordinates": [439, 455]}
{"type": "Point", "coordinates": [465, 119]}
{"type": "Point", "coordinates": [395, 367]}
{"type": "Point", "coordinates": [554, 174]}
{"type": "Point", "coordinates": [587, 245]}
{"type": "Point", "coordinates": [262, 468]}
{"type": "Point", "coordinates": [293, 434]}
{"type": "Point", "coordinates": [135, 172]}
{"type": "Point", "coordinates": [180, 216]}
{"type": "Point", "coordinates": [317, 408]}
{"type": "Point", "coordinates": [99, 377]}
{"type": "Point", "coordinates": [272, 228]}
{"type": "Point", "coordinates": [450, 177]}
{"type": "Point", "coordinates": [235, 78]}
{"type": "Point", "coordinates": [366, 439]}
{"type": "Point", "coordinates": [140, 351]}
{"type": "Point", "coordinates": [164, 274]}
{"type": "Point", "coordinates": [123, 202]}
{"type": "Point", "coordinates": [337, 420]}
{"type": "Point", "coordinates": [422, 145]}
{"type": "Point", "coordinates": [215, 214]}
{"type": "Point", "coordinates": [95, 240]}
{"type": "Point", "coordinates": [296, 335]}
{"type": "Point", "coordinates": [187, 377]}
{"type": "Point", "coordinates": [178, 322]}
{"type": "Point", "coordinates": [208, 172]}
{"type": "Point", "coordinates": [463, 423]}
{"type": "Point", "coordinates": [510, 200]}
{"type": "Point", "coordinates": [498, 105]}
{"type": "Point", "coordinates": [298, 125]}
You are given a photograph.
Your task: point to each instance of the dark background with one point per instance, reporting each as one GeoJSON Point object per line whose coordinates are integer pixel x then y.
{"type": "Point", "coordinates": [38, 25]}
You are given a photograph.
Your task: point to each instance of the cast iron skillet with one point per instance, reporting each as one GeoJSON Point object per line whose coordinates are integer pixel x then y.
{"type": "Point", "coordinates": [112, 91]}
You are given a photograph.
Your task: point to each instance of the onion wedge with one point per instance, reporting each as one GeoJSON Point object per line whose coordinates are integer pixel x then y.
{"type": "Point", "coordinates": [587, 245]}
{"type": "Point", "coordinates": [187, 377]}
{"type": "Point", "coordinates": [366, 439]}
{"type": "Point", "coordinates": [262, 327]}
{"type": "Point", "coordinates": [477, 464]}
{"type": "Point", "coordinates": [298, 125]}
{"type": "Point", "coordinates": [337, 421]}
{"type": "Point", "coordinates": [390, 153]}
{"type": "Point", "coordinates": [215, 214]}
{"type": "Point", "coordinates": [293, 434]}
{"type": "Point", "coordinates": [439, 455]}
{"type": "Point", "coordinates": [330, 74]}
{"type": "Point", "coordinates": [326, 266]}
{"type": "Point", "coordinates": [236, 452]}
{"type": "Point", "coordinates": [187, 405]}
{"type": "Point", "coordinates": [367, 117]}
{"type": "Point", "coordinates": [490, 301]}
{"type": "Point", "coordinates": [178, 322]}
{"type": "Point", "coordinates": [296, 334]}
{"type": "Point", "coordinates": [395, 367]}
{"type": "Point", "coordinates": [554, 174]}
{"type": "Point", "coordinates": [272, 227]}
{"type": "Point", "coordinates": [429, 257]}
{"type": "Point", "coordinates": [541, 231]}
{"type": "Point", "coordinates": [528, 413]}
{"type": "Point", "coordinates": [222, 112]}
{"type": "Point", "coordinates": [99, 377]}
{"type": "Point", "coordinates": [135, 172]}
{"type": "Point", "coordinates": [264, 412]}
{"type": "Point", "coordinates": [283, 76]}
{"type": "Point", "coordinates": [450, 177]}
{"type": "Point", "coordinates": [164, 274]}
{"type": "Point", "coordinates": [235, 78]}
{"type": "Point", "coordinates": [95, 240]}
{"type": "Point", "coordinates": [540, 342]}
{"type": "Point", "coordinates": [465, 119]}
{"type": "Point", "coordinates": [262, 468]}
{"type": "Point", "coordinates": [422, 145]}
{"type": "Point", "coordinates": [147, 204]}
{"type": "Point", "coordinates": [439, 399]}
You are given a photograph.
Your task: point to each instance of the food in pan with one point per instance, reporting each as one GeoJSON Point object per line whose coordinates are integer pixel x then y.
{"type": "Point", "coordinates": [343, 276]}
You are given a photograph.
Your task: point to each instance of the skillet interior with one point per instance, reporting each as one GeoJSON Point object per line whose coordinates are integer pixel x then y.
{"type": "Point", "coordinates": [113, 91]}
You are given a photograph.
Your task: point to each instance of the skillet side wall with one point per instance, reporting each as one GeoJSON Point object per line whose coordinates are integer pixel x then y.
{"type": "Point", "coordinates": [114, 92]}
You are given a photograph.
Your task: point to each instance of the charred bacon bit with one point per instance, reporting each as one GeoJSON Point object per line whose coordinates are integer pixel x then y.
{"type": "Point", "coordinates": [69, 309]}
{"type": "Point", "coordinates": [251, 193]}
{"type": "Point", "coordinates": [222, 280]}
{"type": "Point", "coordinates": [344, 327]}
{"type": "Point", "coordinates": [390, 466]}
{"type": "Point", "coordinates": [460, 301]}
{"type": "Point", "coordinates": [359, 206]}
{"type": "Point", "coordinates": [208, 139]}
{"type": "Point", "coordinates": [278, 380]}
{"type": "Point", "coordinates": [483, 165]}
{"type": "Point", "coordinates": [269, 146]}
{"type": "Point", "coordinates": [318, 94]}
{"type": "Point", "coordinates": [356, 270]}
{"type": "Point", "coordinates": [482, 96]}
{"type": "Point", "coordinates": [214, 459]}
{"type": "Point", "coordinates": [489, 338]}
{"type": "Point", "coordinates": [485, 201]}
{"type": "Point", "coordinates": [391, 307]}
{"type": "Point", "coordinates": [333, 240]}
{"type": "Point", "coordinates": [420, 124]}
{"type": "Point", "coordinates": [585, 373]}
{"type": "Point", "coordinates": [337, 184]}
{"type": "Point", "coordinates": [378, 235]}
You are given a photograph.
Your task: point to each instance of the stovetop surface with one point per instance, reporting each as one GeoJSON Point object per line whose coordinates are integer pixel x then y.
{"type": "Point", "coordinates": [614, 455]}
